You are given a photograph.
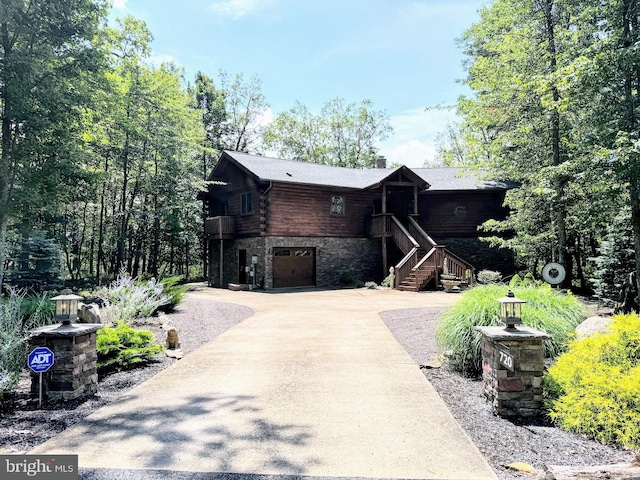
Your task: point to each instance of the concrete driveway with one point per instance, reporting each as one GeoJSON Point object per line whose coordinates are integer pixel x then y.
{"type": "Point", "coordinates": [313, 384]}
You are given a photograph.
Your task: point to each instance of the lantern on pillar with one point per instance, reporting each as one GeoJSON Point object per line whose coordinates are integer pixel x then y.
{"type": "Point", "coordinates": [511, 310]}
{"type": "Point", "coordinates": [66, 307]}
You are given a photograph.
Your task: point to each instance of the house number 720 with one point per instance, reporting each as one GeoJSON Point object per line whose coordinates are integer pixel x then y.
{"type": "Point", "coordinates": [506, 359]}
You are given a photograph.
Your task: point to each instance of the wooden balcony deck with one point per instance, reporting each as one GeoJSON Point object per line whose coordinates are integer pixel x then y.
{"type": "Point", "coordinates": [220, 227]}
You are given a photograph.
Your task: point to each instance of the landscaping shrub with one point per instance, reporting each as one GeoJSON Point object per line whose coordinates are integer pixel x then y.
{"type": "Point", "coordinates": [175, 292]}
{"type": "Point", "coordinates": [128, 299]}
{"type": "Point", "coordinates": [615, 258]}
{"type": "Point", "coordinates": [346, 279]}
{"type": "Point", "coordinates": [546, 309]}
{"type": "Point", "coordinates": [485, 277]}
{"type": "Point", "coordinates": [18, 315]}
{"type": "Point", "coordinates": [594, 388]}
{"type": "Point", "coordinates": [123, 347]}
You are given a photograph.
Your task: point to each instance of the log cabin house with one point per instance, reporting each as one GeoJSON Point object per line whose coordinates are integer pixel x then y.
{"type": "Point", "coordinates": [277, 223]}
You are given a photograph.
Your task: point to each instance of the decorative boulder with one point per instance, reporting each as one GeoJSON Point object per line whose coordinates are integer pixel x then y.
{"type": "Point", "coordinates": [592, 325]}
{"type": "Point", "coordinates": [89, 313]}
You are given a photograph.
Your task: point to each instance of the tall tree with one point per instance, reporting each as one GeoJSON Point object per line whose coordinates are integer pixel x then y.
{"type": "Point", "coordinates": [520, 56]}
{"type": "Point", "coordinates": [211, 103]}
{"type": "Point", "coordinates": [610, 76]}
{"type": "Point", "coordinates": [343, 134]}
{"type": "Point", "coordinates": [245, 107]}
{"type": "Point", "coordinates": [46, 49]}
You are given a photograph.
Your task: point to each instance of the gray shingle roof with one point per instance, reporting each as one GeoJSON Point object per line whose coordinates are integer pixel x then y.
{"type": "Point", "coordinates": [451, 178]}
{"type": "Point", "coordinates": [278, 170]}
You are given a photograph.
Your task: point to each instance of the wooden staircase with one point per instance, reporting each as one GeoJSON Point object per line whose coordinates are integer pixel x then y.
{"type": "Point", "coordinates": [424, 260]}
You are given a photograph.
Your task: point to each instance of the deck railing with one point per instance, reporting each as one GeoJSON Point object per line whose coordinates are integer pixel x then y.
{"type": "Point", "coordinates": [220, 227]}
{"type": "Point", "coordinates": [380, 226]}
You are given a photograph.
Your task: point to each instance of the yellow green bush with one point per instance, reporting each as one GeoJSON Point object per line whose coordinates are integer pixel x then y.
{"type": "Point", "coordinates": [122, 347]}
{"type": "Point", "coordinates": [594, 388]}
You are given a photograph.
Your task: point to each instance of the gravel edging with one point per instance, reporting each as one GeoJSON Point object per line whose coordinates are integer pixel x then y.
{"type": "Point", "coordinates": [501, 441]}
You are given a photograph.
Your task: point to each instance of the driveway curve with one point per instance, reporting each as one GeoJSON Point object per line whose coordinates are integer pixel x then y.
{"type": "Point", "coordinates": [313, 384]}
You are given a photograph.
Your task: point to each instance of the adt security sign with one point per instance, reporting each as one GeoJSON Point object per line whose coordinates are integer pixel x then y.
{"type": "Point", "coordinates": [40, 359]}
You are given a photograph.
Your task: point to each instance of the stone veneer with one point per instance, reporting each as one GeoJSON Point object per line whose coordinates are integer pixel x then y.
{"type": "Point", "coordinates": [360, 257]}
{"type": "Point", "coordinates": [74, 372]}
{"type": "Point", "coordinates": [480, 254]}
{"type": "Point", "coordinates": [516, 393]}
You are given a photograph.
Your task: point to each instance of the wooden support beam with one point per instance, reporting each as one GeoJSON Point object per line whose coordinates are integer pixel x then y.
{"type": "Point", "coordinates": [221, 262]}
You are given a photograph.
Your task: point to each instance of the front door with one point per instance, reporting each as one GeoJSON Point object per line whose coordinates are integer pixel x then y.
{"type": "Point", "coordinates": [242, 266]}
{"type": "Point", "coordinates": [294, 267]}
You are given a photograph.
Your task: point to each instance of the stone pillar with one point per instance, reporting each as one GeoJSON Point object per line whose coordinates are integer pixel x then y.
{"type": "Point", "coordinates": [74, 372]}
{"type": "Point", "coordinates": [512, 369]}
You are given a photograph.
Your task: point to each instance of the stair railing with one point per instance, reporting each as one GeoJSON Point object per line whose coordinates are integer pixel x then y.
{"type": "Point", "coordinates": [408, 245]}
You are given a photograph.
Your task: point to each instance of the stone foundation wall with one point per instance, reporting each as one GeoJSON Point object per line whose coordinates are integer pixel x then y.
{"type": "Point", "coordinates": [480, 254]}
{"type": "Point", "coordinates": [74, 372]}
{"type": "Point", "coordinates": [253, 246]}
{"type": "Point", "coordinates": [361, 258]}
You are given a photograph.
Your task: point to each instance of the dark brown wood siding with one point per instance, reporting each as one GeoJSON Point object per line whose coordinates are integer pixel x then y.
{"type": "Point", "coordinates": [227, 199]}
{"type": "Point", "coordinates": [458, 214]}
{"type": "Point", "coordinates": [299, 210]}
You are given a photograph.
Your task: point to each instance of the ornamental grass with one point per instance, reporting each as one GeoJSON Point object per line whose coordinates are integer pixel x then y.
{"type": "Point", "coordinates": [547, 309]}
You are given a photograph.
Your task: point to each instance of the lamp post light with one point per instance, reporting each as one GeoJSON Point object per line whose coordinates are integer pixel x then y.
{"type": "Point", "coordinates": [66, 307]}
{"type": "Point", "coordinates": [511, 310]}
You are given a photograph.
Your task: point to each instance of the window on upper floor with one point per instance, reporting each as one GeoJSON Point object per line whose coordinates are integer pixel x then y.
{"type": "Point", "coordinates": [337, 205]}
{"type": "Point", "coordinates": [247, 204]}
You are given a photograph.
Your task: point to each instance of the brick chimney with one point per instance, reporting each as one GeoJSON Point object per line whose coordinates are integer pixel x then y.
{"type": "Point", "coordinates": [382, 162]}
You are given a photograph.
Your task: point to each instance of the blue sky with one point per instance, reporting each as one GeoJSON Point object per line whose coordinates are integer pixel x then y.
{"type": "Point", "coordinates": [400, 54]}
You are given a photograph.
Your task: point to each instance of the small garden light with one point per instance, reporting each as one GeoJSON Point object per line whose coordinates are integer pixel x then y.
{"type": "Point", "coordinates": [511, 310]}
{"type": "Point", "coordinates": [66, 307]}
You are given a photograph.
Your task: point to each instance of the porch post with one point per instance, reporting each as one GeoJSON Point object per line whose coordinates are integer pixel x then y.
{"type": "Point", "coordinates": [384, 198]}
{"type": "Point", "coordinates": [415, 199]}
{"type": "Point", "coordinates": [385, 261]}
{"type": "Point", "coordinates": [221, 262]}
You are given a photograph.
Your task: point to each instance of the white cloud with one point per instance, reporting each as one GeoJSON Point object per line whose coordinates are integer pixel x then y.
{"type": "Point", "coordinates": [121, 4]}
{"type": "Point", "coordinates": [414, 139]}
{"type": "Point", "coordinates": [160, 59]}
{"type": "Point", "coordinates": [238, 8]}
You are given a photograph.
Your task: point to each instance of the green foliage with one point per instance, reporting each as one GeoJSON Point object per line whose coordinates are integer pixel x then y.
{"type": "Point", "coordinates": [174, 291]}
{"type": "Point", "coordinates": [342, 134]}
{"type": "Point", "coordinates": [387, 281]}
{"type": "Point", "coordinates": [36, 262]}
{"type": "Point", "coordinates": [128, 299]}
{"type": "Point", "coordinates": [18, 315]}
{"type": "Point", "coordinates": [486, 277]}
{"type": "Point", "coordinates": [546, 309]}
{"type": "Point", "coordinates": [594, 387]}
{"type": "Point", "coordinates": [123, 347]}
{"type": "Point", "coordinates": [616, 258]}
{"type": "Point", "coordinates": [346, 279]}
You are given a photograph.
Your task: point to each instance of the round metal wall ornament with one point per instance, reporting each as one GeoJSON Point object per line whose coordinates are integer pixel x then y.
{"type": "Point", "coordinates": [553, 273]}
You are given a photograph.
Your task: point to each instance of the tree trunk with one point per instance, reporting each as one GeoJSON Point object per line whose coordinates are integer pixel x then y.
{"type": "Point", "coordinates": [634, 191]}
{"type": "Point", "coordinates": [556, 155]}
{"type": "Point", "coordinates": [100, 257]}
{"type": "Point", "coordinates": [5, 155]}
{"type": "Point", "coordinates": [629, 19]}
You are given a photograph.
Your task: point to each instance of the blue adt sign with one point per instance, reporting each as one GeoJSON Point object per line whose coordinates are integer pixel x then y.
{"type": "Point", "coordinates": [40, 359]}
